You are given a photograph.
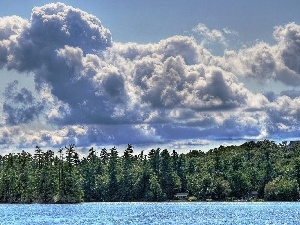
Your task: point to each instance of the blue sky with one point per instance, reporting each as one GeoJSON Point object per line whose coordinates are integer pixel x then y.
{"type": "Point", "coordinates": [172, 74]}
{"type": "Point", "coordinates": [151, 21]}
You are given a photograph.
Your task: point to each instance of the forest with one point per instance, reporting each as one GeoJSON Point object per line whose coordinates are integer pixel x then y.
{"type": "Point", "coordinates": [270, 170]}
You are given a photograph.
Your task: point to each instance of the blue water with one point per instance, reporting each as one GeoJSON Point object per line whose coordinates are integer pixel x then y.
{"type": "Point", "coordinates": [153, 213]}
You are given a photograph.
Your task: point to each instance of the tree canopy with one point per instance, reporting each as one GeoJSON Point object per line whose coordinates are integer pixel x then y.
{"type": "Point", "coordinates": [225, 173]}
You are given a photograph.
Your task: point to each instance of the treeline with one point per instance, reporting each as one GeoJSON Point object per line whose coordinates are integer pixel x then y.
{"type": "Point", "coordinates": [270, 170]}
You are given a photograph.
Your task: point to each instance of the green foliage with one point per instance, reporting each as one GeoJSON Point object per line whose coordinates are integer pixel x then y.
{"type": "Point", "coordinates": [282, 189]}
{"type": "Point", "coordinates": [155, 192]}
{"type": "Point", "coordinates": [220, 189]}
{"type": "Point", "coordinates": [239, 183]}
{"type": "Point", "coordinates": [113, 184]}
{"type": "Point", "coordinates": [232, 172]}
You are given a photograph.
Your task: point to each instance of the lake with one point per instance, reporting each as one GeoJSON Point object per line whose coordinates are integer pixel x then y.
{"type": "Point", "coordinates": [153, 213]}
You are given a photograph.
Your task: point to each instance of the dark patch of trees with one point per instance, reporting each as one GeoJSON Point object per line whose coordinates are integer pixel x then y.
{"type": "Point", "coordinates": [271, 170]}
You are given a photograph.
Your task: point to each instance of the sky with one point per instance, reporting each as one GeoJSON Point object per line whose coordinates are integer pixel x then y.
{"type": "Point", "coordinates": [171, 74]}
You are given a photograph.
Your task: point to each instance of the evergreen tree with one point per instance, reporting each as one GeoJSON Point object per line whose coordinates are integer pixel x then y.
{"type": "Point", "coordinates": [142, 184]}
{"type": "Point", "coordinates": [170, 182]}
{"type": "Point", "coordinates": [46, 184]}
{"type": "Point", "coordinates": [155, 192]}
{"type": "Point", "coordinates": [154, 160]}
{"type": "Point", "coordinates": [126, 192]}
{"type": "Point", "coordinates": [70, 189]}
{"type": "Point", "coordinates": [90, 168]}
{"type": "Point", "coordinates": [25, 181]}
{"type": "Point", "coordinates": [233, 171]}
{"type": "Point", "coordinates": [113, 190]}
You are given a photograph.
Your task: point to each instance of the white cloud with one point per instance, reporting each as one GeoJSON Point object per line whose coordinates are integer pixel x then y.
{"type": "Point", "coordinates": [258, 62]}
{"type": "Point", "coordinates": [10, 28]}
{"type": "Point", "coordinates": [90, 90]}
{"type": "Point", "coordinates": [188, 144]}
{"type": "Point", "coordinates": [265, 62]}
{"type": "Point", "coordinates": [288, 38]}
{"type": "Point", "coordinates": [211, 35]}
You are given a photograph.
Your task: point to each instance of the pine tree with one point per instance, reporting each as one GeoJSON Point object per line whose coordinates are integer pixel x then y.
{"type": "Point", "coordinates": [113, 185]}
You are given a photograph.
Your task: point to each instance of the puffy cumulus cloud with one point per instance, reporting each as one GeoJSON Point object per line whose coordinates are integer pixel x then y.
{"type": "Point", "coordinates": [20, 106]}
{"type": "Point", "coordinates": [172, 79]}
{"type": "Point", "coordinates": [94, 91]}
{"type": "Point", "coordinates": [186, 47]}
{"type": "Point", "coordinates": [55, 46]}
{"type": "Point", "coordinates": [28, 136]}
{"type": "Point", "coordinates": [284, 115]}
{"type": "Point", "coordinates": [10, 28]}
{"type": "Point", "coordinates": [162, 88]}
{"type": "Point", "coordinates": [183, 46]}
{"type": "Point", "coordinates": [280, 114]}
{"type": "Point", "coordinates": [198, 87]}
{"type": "Point", "coordinates": [259, 62]}
{"type": "Point", "coordinates": [90, 90]}
{"type": "Point", "coordinates": [264, 62]}
{"type": "Point", "coordinates": [288, 38]}
{"type": "Point", "coordinates": [51, 27]}
{"type": "Point", "coordinates": [177, 72]}
{"type": "Point", "coordinates": [22, 137]}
